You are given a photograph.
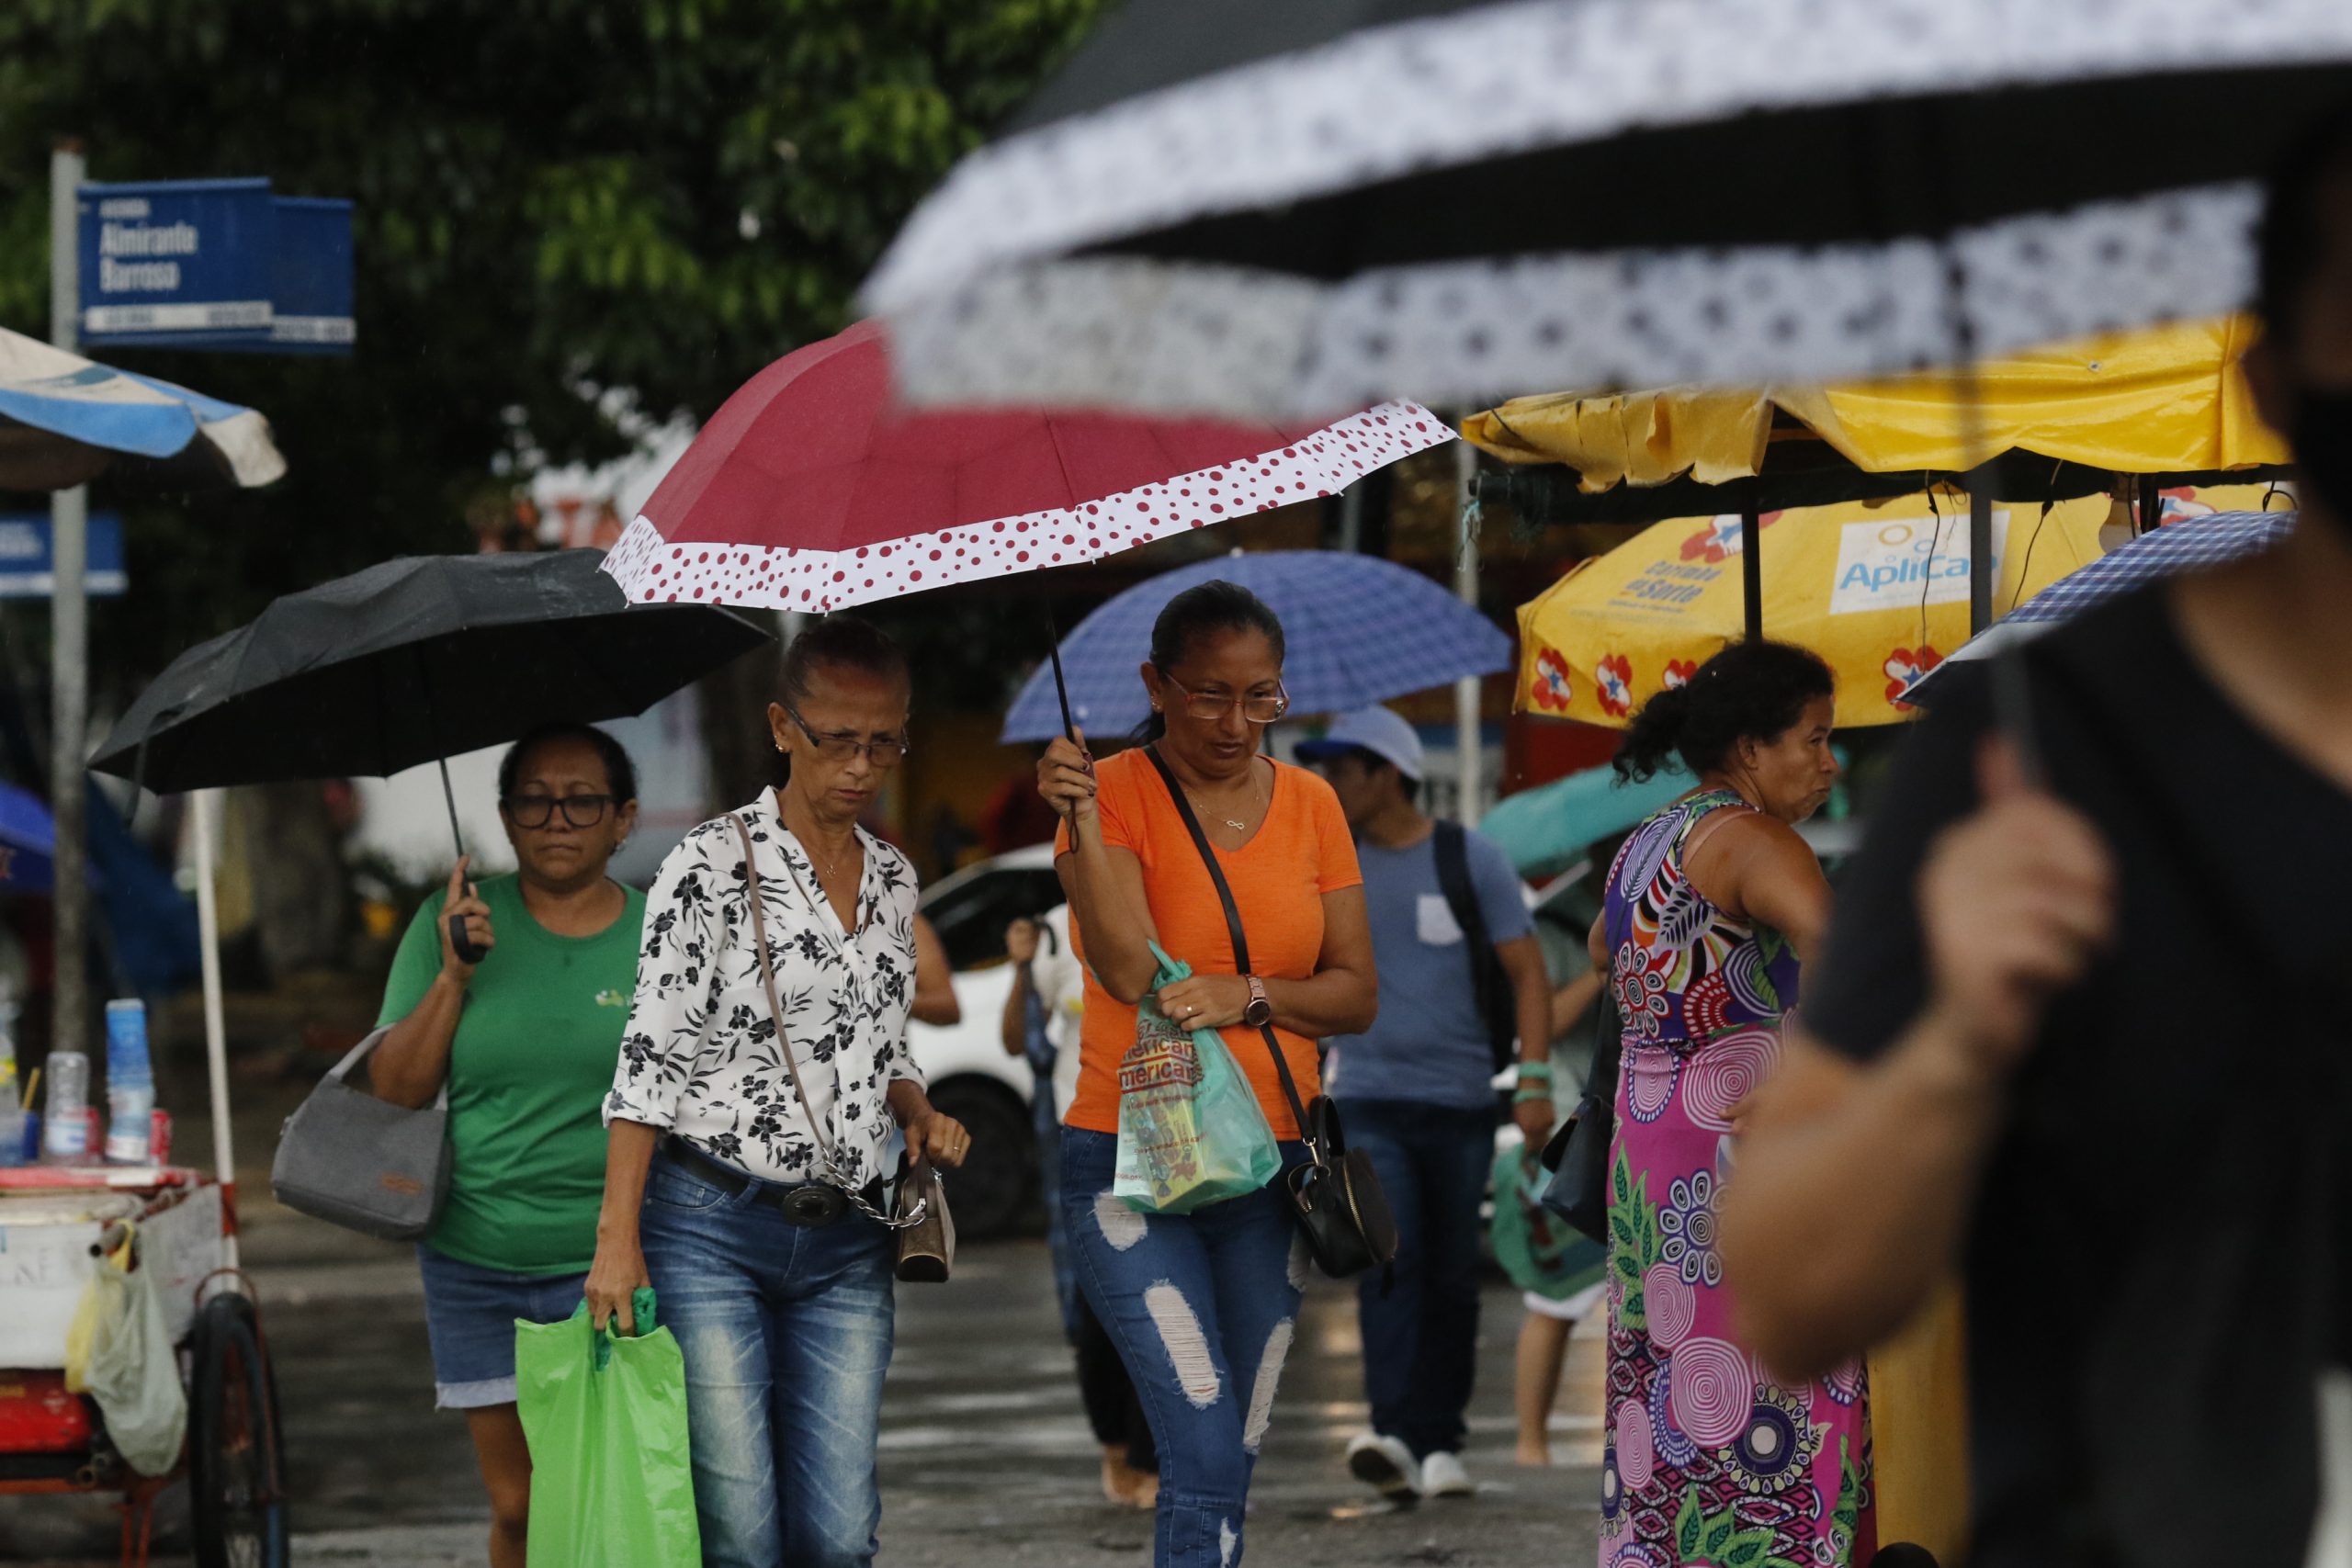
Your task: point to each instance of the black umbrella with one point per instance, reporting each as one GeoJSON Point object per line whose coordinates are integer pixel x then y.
{"type": "Point", "coordinates": [1227, 205]}
{"type": "Point", "coordinates": [413, 662]}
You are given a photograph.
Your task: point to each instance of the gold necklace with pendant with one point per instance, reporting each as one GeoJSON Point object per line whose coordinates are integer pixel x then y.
{"type": "Point", "coordinates": [1238, 824]}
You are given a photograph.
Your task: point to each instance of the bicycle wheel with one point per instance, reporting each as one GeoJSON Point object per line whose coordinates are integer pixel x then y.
{"type": "Point", "coordinates": [235, 1464]}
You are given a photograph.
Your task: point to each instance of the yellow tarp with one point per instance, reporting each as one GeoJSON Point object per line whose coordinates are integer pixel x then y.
{"type": "Point", "coordinates": [1880, 589]}
{"type": "Point", "coordinates": [2167, 400]}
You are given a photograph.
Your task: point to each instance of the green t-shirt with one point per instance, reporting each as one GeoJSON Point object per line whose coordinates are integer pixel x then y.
{"type": "Point", "coordinates": [528, 1072]}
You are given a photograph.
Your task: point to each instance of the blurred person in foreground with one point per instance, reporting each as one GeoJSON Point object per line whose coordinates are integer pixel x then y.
{"type": "Point", "coordinates": [1042, 1019]}
{"type": "Point", "coordinates": [2076, 1037]}
{"type": "Point", "coordinates": [1416, 1092]}
{"type": "Point", "coordinates": [1203, 1305]}
{"type": "Point", "coordinates": [1711, 911]}
{"type": "Point", "coordinates": [523, 1036]}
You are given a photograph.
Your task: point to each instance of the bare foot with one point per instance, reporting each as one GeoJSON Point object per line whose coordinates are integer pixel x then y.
{"type": "Point", "coordinates": [1125, 1485]}
{"type": "Point", "coordinates": [1537, 1458]}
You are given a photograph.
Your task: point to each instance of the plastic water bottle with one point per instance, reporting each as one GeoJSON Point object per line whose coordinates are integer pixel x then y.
{"type": "Point", "coordinates": [131, 1084]}
{"type": "Point", "coordinates": [11, 1110]}
{"type": "Point", "coordinates": [66, 1124]}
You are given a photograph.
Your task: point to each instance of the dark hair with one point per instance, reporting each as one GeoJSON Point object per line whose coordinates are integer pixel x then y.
{"type": "Point", "coordinates": [1369, 761]}
{"type": "Point", "coordinates": [620, 773]}
{"type": "Point", "coordinates": [2289, 241]}
{"type": "Point", "coordinates": [1215, 606]}
{"type": "Point", "coordinates": [837, 642]}
{"type": "Point", "coordinates": [1752, 688]}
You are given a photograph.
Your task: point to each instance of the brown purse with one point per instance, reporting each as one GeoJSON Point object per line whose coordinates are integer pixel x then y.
{"type": "Point", "coordinates": [918, 1213]}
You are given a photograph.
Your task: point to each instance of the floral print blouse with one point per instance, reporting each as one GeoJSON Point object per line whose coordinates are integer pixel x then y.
{"type": "Point", "coordinates": [700, 1056]}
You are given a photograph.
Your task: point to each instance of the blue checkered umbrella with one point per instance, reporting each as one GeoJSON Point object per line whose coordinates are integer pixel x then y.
{"type": "Point", "coordinates": [1360, 630]}
{"type": "Point", "coordinates": [2159, 553]}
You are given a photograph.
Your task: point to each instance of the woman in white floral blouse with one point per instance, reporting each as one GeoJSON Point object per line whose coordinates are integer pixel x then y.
{"type": "Point", "coordinates": [725, 1188]}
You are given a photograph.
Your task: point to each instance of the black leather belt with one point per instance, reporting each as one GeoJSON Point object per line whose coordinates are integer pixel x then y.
{"type": "Point", "coordinates": [810, 1203]}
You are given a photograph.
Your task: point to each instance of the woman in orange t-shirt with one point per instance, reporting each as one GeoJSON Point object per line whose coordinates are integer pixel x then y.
{"type": "Point", "coordinates": [1203, 1306]}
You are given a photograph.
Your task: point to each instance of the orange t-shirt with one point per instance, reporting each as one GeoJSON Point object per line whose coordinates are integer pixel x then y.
{"type": "Point", "coordinates": [1302, 852]}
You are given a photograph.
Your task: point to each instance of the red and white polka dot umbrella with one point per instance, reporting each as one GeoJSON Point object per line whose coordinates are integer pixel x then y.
{"type": "Point", "coordinates": [812, 489]}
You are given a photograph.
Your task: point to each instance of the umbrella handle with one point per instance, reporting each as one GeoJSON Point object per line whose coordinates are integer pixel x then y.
{"type": "Point", "coordinates": [464, 946]}
{"type": "Point", "coordinates": [1061, 687]}
{"type": "Point", "coordinates": [461, 944]}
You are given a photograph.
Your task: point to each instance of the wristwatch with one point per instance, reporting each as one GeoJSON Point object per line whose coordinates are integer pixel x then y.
{"type": "Point", "coordinates": [1261, 1011]}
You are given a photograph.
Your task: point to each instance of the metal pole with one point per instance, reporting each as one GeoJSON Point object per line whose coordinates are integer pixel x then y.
{"type": "Point", "coordinates": [69, 636]}
{"type": "Point", "coordinates": [1980, 550]}
{"type": "Point", "coordinates": [203, 804]}
{"type": "Point", "coordinates": [1351, 519]}
{"type": "Point", "coordinates": [449, 799]}
{"type": "Point", "coordinates": [1469, 760]}
{"type": "Point", "coordinates": [1751, 568]}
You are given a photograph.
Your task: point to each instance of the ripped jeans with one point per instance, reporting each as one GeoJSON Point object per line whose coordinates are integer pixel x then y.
{"type": "Point", "coordinates": [1203, 1307]}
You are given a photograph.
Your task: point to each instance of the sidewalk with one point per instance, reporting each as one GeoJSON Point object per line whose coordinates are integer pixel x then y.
{"type": "Point", "coordinates": [986, 1462]}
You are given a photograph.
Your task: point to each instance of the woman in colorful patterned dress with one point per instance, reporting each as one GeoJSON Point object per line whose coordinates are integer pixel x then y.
{"type": "Point", "coordinates": [1712, 907]}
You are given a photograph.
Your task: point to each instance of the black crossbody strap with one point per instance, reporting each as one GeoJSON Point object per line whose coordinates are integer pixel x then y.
{"type": "Point", "coordinates": [1232, 926]}
{"type": "Point", "coordinates": [1452, 850]}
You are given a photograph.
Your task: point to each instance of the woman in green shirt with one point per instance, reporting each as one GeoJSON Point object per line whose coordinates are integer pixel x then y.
{"type": "Point", "coordinates": [525, 1040]}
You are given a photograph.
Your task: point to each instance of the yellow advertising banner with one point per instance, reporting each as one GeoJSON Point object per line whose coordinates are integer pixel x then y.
{"type": "Point", "coordinates": [1878, 588]}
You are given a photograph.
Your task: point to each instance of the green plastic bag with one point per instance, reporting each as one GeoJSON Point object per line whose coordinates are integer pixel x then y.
{"type": "Point", "coordinates": [1537, 1250]}
{"type": "Point", "coordinates": [612, 1482]}
{"type": "Point", "coordinates": [1191, 1130]}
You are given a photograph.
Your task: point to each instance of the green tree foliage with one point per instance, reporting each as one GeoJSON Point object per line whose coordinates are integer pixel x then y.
{"type": "Point", "coordinates": [555, 198]}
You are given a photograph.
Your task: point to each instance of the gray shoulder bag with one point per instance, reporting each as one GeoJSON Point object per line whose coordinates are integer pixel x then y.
{"type": "Point", "coordinates": [354, 1160]}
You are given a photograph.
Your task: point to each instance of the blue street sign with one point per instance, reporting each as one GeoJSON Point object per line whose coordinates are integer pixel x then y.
{"type": "Point", "coordinates": [27, 569]}
{"type": "Point", "coordinates": [178, 261]}
{"type": "Point", "coordinates": [310, 282]}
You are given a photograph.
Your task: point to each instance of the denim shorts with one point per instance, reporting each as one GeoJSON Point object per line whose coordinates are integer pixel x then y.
{"type": "Point", "coordinates": [469, 1317]}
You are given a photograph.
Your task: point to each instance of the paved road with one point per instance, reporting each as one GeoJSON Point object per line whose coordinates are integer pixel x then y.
{"type": "Point", "coordinates": [986, 1460]}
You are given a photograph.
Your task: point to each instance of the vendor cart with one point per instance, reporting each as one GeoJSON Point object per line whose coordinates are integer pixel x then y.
{"type": "Point", "coordinates": [56, 1225]}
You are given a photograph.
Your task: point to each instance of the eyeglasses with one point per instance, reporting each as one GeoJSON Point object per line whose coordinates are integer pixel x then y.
{"type": "Point", "coordinates": [1209, 709]}
{"type": "Point", "coordinates": [539, 810]}
{"type": "Point", "coordinates": [885, 751]}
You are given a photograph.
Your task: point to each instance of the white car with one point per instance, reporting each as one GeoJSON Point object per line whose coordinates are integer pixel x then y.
{"type": "Point", "coordinates": [971, 1077]}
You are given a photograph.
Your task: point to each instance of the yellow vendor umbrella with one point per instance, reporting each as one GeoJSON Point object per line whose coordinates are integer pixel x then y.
{"type": "Point", "coordinates": [2169, 401]}
{"type": "Point", "coordinates": [1878, 588]}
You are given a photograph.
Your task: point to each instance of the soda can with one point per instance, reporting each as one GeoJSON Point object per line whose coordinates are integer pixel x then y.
{"type": "Point", "coordinates": [159, 1137]}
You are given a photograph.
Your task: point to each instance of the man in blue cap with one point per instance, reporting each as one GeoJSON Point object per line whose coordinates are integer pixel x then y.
{"type": "Point", "coordinates": [1461, 976]}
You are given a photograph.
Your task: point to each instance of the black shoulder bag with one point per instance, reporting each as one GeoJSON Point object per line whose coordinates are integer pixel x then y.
{"type": "Point", "coordinates": [1335, 1195]}
{"type": "Point", "coordinates": [1498, 1003]}
{"type": "Point", "coordinates": [1577, 1156]}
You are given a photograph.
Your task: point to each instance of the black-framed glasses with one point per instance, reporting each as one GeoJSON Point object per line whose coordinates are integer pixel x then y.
{"type": "Point", "coordinates": [580, 810]}
{"type": "Point", "coordinates": [886, 751]}
{"type": "Point", "coordinates": [1209, 708]}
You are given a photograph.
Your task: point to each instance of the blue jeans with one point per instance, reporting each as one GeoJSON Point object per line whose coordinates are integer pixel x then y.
{"type": "Point", "coordinates": [1201, 1307]}
{"type": "Point", "coordinates": [1421, 1335]}
{"type": "Point", "coordinates": [786, 1331]}
{"type": "Point", "coordinates": [470, 1317]}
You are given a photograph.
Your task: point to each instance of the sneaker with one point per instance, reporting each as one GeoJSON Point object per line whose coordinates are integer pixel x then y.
{"type": "Point", "coordinates": [1442, 1476]}
{"type": "Point", "coordinates": [1385, 1462]}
